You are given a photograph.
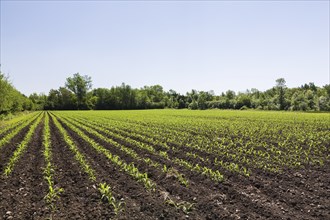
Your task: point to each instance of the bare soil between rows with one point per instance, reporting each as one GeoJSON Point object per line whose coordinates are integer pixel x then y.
{"type": "Point", "coordinates": [293, 194]}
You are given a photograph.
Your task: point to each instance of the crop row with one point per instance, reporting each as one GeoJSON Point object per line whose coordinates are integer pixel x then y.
{"type": "Point", "coordinates": [7, 125]}
{"type": "Point", "coordinates": [104, 188]}
{"type": "Point", "coordinates": [54, 192]}
{"type": "Point", "coordinates": [63, 125]}
{"type": "Point", "coordinates": [21, 147]}
{"type": "Point", "coordinates": [130, 168]}
{"type": "Point", "coordinates": [192, 166]}
{"type": "Point", "coordinates": [184, 146]}
{"type": "Point", "coordinates": [235, 145]}
{"type": "Point", "coordinates": [15, 128]}
{"type": "Point", "coordinates": [141, 135]}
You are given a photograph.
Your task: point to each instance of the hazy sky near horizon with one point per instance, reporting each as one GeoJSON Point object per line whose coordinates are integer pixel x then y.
{"type": "Point", "coordinates": [181, 45]}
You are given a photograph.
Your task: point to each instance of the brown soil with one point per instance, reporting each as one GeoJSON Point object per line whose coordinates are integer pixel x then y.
{"type": "Point", "coordinates": [293, 194]}
{"type": "Point", "coordinates": [21, 195]}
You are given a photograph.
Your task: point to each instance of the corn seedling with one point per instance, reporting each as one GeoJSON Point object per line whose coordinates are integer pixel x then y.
{"type": "Point", "coordinates": [108, 197]}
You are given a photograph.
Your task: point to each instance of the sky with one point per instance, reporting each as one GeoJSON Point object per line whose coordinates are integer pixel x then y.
{"type": "Point", "coordinates": [181, 45]}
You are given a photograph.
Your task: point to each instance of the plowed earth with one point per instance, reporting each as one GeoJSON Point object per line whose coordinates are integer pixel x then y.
{"type": "Point", "coordinates": [293, 194]}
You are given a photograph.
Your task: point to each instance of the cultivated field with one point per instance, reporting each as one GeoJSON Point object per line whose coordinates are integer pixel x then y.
{"type": "Point", "coordinates": [165, 164]}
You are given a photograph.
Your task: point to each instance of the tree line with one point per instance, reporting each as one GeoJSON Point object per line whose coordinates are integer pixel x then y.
{"type": "Point", "coordinates": [11, 100]}
{"type": "Point", "coordinates": [77, 94]}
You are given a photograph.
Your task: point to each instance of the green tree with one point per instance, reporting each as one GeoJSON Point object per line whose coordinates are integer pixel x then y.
{"type": "Point", "coordinates": [53, 100]}
{"type": "Point", "coordinates": [79, 85]}
{"type": "Point", "coordinates": [193, 105]}
{"type": "Point", "coordinates": [311, 100]}
{"type": "Point", "coordinates": [280, 86]}
{"type": "Point", "coordinates": [39, 101]}
{"type": "Point", "coordinates": [126, 96]}
{"type": "Point", "coordinates": [327, 89]}
{"type": "Point", "coordinates": [67, 99]}
{"type": "Point", "coordinates": [142, 99]}
{"type": "Point", "coordinates": [5, 94]}
{"type": "Point", "coordinates": [204, 98]}
{"type": "Point", "coordinates": [103, 95]}
{"type": "Point", "coordinates": [243, 100]}
{"type": "Point", "coordinates": [230, 94]}
{"type": "Point", "coordinates": [11, 100]}
{"type": "Point", "coordinates": [324, 103]}
{"type": "Point", "coordinates": [298, 101]}
{"type": "Point", "coordinates": [201, 100]}
{"type": "Point", "coordinates": [171, 99]}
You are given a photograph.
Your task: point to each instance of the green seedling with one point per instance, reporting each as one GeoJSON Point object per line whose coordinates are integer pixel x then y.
{"type": "Point", "coordinates": [107, 196]}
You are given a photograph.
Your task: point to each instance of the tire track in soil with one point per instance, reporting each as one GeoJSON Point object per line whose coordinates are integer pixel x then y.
{"type": "Point", "coordinates": [23, 191]}
{"type": "Point", "coordinates": [80, 199]}
{"type": "Point", "coordinates": [140, 204]}
{"type": "Point", "coordinates": [210, 201]}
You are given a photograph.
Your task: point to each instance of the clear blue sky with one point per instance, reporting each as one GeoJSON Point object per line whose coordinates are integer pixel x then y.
{"type": "Point", "coordinates": [181, 45]}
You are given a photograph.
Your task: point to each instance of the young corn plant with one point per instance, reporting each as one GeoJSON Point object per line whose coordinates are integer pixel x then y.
{"type": "Point", "coordinates": [216, 176]}
{"type": "Point", "coordinates": [165, 169]}
{"type": "Point", "coordinates": [78, 156]}
{"type": "Point", "coordinates": [53, 193]}
{"type": "Point", "coordinates": [6, 139]}
{"type": "Point", "coordinates": [7, 171]}
{"type": "Point", "coordinates": [174, 172]}
{"type": "Point", "coordinates": [129, 168]}
{"type": "Point", "coordinates": [107, 196]}
{"type": "Point", "coordinates": [21, 148]}
{"type": "Point", "coordinates": [186, 207]}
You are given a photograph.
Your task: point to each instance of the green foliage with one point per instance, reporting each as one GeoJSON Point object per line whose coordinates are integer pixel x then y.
{"type": "Point", "coordinates": [238, 142]}
{"type": "Point", "coordinates": [125, 137]}
{"type": "Point", "coordinates": [13, 122]}
{"type": "Point", "coordinates": [21, 147]}
{"type": "Point", "coordinates": [186, 207]}
{"type": "Point", "coordinates": [11, 100]}
{"type": "Point", "coordinates": [78, 155]}
{"type": "Point", "coordinates": [79, 85]}
{"type": "Point", "coordinates": [53, 192]}
{"type": "Point", "coordinates": [130, 168]}
{"type": "Point", "coordinates": [178, 145]}
{"type": "Point", "coordinates": [108, 197]}
{"type": "Point", "coordinates": [173, 172]}
{"type": "Point", "coordinates": [193, 105]}
{"type": "Point", "coordinates": [76, 95]}
{"type": "Point", "coordinates": [39, 102]}
{"type": "Point", "coordinates": [243, 100]}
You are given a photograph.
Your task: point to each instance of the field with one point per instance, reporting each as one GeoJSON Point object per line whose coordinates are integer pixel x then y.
{"type": "Point", "coordinates": [165, 164]}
